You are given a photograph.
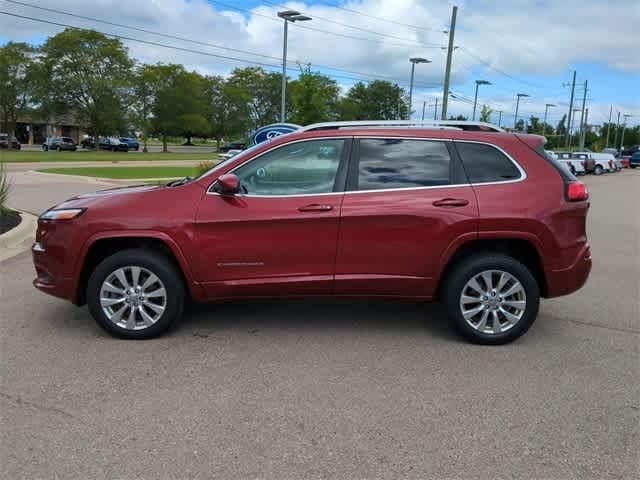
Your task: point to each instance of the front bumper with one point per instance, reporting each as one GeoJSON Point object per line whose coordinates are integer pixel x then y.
{"type": "Point", "coordinates": [48, 280]}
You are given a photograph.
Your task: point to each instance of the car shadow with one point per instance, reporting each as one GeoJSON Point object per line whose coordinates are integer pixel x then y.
{"type": "Point", "coordinates": [337, 315]}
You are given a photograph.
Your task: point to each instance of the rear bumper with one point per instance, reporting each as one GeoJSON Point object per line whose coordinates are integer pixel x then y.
{"type": "Point", "coordinates": [568, 280]}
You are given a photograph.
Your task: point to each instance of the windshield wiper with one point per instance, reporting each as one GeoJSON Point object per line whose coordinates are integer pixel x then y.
{"type": "Point", "coordinates": [180, 181]}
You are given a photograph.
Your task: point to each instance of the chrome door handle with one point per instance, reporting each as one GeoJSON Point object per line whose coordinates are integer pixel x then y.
{"type": "Point", "coordinates": [451, 202]}
{"type": "Point", "coordinates": [315, 207]}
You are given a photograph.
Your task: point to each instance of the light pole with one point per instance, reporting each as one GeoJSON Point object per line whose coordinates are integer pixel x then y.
{"type": "Point", "coordinates": [287, 16]}
{"type": "Point", "coordinates": [475, 99]}
{"type": "Point", "coordinates": [624, 125]}
{"type": "Point", "coordinates": [515, 120]}
{"type": "Point", "coordinates": [546, 110]}
{"type": "Point", "coordinates": [413, 61]}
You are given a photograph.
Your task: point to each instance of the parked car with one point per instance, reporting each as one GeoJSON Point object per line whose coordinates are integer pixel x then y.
{"type": "Point", "coordinates": [613, 151]}
{"type": "Point", "coordinates": [114, 144]}
{"type": "Point", "coordinates": [238, 145]}
{"type": "Point", "coordinates": [59, 144]}
{"type": "Point", "coordinates": [483, 221]}
{"type": "Point", "coordinates": [591, 164]}
{"type": "Point", "coordinates": [575, 165]}
{"type": "Point", "coordinates": [625, 160]}
{"type": "Point", "coordinates": [88, 142]}
{"type": "Point", "coordinates": [631, 150]}
{"type": "Point", "coordinates": [607, 159]}
{"type": "Point", "coordinates": [228, 154]}
{"type": "Point", "coordinates": [5, 142]}
{"type": "Point", "coordinates": [131, 142]}
{"type": "Point", "coordinates": [634, 160]}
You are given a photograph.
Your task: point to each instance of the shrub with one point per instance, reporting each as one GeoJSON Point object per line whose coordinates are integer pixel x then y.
{"type": "Point", "coordinates": [203, 167]}
{"type": "Point", "coordinates": [4, 189]}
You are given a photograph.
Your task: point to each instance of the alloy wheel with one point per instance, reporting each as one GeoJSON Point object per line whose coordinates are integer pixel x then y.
{"type": "Point", "coordinates": [133, 298]}
{"type": "Point", "coordinates": [493, 301]}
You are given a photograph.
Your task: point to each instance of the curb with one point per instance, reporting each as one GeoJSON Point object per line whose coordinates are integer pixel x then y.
{"type": "Point", "coordinates": [104, 180]}
{"type": "Point", "coordinates": [18, 239]}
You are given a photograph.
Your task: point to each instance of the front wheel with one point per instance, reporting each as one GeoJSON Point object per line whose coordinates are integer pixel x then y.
{"type": "Point", "coordinates": [135, 294]}
{"type": "Point", "coordinates": [491, 299]}
{"type": "Point", "coordinates": [598, 170]}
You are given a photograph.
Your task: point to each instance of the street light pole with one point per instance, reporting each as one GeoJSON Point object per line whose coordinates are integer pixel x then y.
{"type": "Point", "coordinates": [287, 16]}
{"type": "Point", "coordinates": [475, 99]}
{"type": "Point", "coordinates": [624, 125]}
{"type": "Point", "coordinates": [515, 120]}
{"type": "Point", "coordinates": [546, 110]}
{"type": "Point", "coordinates": [413, 61]}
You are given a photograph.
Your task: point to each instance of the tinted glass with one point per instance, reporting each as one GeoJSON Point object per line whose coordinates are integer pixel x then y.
{"type": "Point", "coordinates": [296, 169]}
{"type": "Point", "coordinates": [484, 163]}
{"type": "Point", "coordinates": [395, 163]}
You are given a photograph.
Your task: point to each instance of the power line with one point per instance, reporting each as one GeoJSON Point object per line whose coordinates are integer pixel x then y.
{"type": "Point", "coordinates": [329, 20]}
{"type": "Point", "coordinates": [381, 19]}
{"type": "Point", "coordinates": [175, 37]}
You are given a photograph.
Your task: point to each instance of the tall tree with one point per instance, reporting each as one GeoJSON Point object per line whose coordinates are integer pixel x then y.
{"type": "Point", "coordinates": [91, 74]}
{"type": "Point", "coordinates": [485, 113]}
{"type": "Point", "coordinates": [261, 93]}
{"type": "Point", "coordinates": [179, 106]}
{"type": "Point", "coordinates": [379, 100]}
{"type": "Point", "coordinates": [314, 98]}
{"type": "Point", "coordinates": [534, 125]}
{"type": "Point", "coordinates": [16, 83]}
{"type": "Point", "coordinates": [227, 109]}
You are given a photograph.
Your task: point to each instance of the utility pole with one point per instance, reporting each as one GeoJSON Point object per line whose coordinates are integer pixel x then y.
{"type": "Point", "coordinates": [435, 111]}
{"type": "Point", "coordinates": [447, 72]}
{"type": "Point", "coordinates": [573, 88]}
{"type": "Point", "coordinates": [615, 137]}
{"type": "Point", "coordinates": [624, 126]}
{"type": "Point", "coordinates": [582, 126]}
{"type": "Point", "coordinates": [583, 134]}
{"type": "Point", "coordinates": [424, 105]}
{"type": "Point", "coordinates": [499, 117]}
{"type": "Point", "coordinates": [609, 126]}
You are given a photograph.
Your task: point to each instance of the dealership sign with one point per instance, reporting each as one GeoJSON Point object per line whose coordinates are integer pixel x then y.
{"type": "Point", "coordinates": [271, 131]}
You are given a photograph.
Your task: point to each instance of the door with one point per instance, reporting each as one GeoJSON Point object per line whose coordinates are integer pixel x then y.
{"type": "Point", "coordinates": [407, 201]}
{"type": "Point", "coordinates": [278, 237]}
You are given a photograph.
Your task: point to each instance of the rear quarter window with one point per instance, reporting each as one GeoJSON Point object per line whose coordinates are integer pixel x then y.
{"type": "Point", "coordinates": [484, 163]}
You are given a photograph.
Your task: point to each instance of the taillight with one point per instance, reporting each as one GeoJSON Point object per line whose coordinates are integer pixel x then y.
{"type": "Point", "coordinates": [577, 192]}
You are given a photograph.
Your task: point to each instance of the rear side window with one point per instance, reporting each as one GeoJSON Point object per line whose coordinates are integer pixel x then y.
{"type": "Point", "coordinates": [484, 163]}
{"type": "Point", "coordinates": [396, 163]}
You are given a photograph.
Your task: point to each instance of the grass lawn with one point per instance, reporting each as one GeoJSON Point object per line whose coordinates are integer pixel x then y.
{"type": "Point", "coordinates": [89, 156]}
{"type": "Point", "coordinates": [125, 172]}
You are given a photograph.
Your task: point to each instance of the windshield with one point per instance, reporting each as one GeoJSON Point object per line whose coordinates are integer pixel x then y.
{"type": "Point", "coordinates": [233, 158]}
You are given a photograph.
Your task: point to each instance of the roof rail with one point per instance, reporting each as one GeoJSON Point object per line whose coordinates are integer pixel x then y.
{"type": "Point", "coordinates": [437, 124]}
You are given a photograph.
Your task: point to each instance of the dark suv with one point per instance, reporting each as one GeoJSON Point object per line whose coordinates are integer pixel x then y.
{"type": "Point", "coordinates": [483, 221]}
{"type": "Point", "coordinates": [60, 144]}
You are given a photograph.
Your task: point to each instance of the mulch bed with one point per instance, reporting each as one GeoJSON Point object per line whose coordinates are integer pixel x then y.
{"type": "Point", "coordinates": [8, 220]}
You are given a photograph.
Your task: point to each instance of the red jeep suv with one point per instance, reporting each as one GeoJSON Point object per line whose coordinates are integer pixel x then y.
{"type": "Point", "coordinates": [478, 218]}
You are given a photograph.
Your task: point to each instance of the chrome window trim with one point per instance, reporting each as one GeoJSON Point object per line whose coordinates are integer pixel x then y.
{"type": "Point", "coordinates": [523, 173]}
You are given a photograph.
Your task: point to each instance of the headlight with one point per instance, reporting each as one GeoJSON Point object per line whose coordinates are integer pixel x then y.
{"type": "Point", "coordinates": [62, 214]}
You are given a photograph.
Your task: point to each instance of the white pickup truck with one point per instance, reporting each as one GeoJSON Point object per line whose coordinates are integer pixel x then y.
{"type": "Point", "coordinates": [602, 162]}
{"type": "Point", "coordinates": [574, 164]}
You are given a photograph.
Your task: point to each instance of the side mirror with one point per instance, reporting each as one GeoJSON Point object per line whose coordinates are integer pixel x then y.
{"type": "Point", "coordinates": [227, 184]}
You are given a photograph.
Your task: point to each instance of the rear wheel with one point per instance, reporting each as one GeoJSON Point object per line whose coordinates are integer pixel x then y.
{"type": "Point", "coordinates": [491, 299]}
{"type": "Point", "coordinates": [135, 294]}
{"type": "Point", "coordinates": [598, 170]}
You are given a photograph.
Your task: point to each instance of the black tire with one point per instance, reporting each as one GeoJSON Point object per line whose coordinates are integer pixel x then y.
{"type": "Point", "coordinates": [598, 170]}
{"type": "Point", "coordinates": [573, 170]}
{"type": "Point", "coordinates": [155, 263]}
{"type": "Point", "coordinates": [456, 280]}
{"type": "Point", "coordinates": [632, 166]}
{"type": "Point", "coordinates": [59, 149]}
{"type": "Point", "coordinates": [45, 148]}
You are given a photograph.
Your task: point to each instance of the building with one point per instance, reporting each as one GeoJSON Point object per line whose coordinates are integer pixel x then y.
{"type": "Point", "coordinates": [33, 129]}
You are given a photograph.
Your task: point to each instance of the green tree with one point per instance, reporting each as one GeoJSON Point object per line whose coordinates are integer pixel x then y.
{"type": "Point", "coordinates": [485, 113]}
{"type": "Point", "coordinates": [534, 125]}
{"type": "Point", "coordinates": [459, 117]}
{"type": "Point", "coordinates": [179, 106]}
{"type": "Point", "coordinates": [227, 108]}
{"type": "Point", "coordinates": [561, 128]}
{"type": "Point", "coordinates": [379, 100]}
{"type": "Point", "coordinates": [16, 83]}
{"type": "Point", "coordinates": [90, 74]}
{"type": "Point", "coordinates": [261, 93]}
{"type": "Point", "coordinates": [314, 98]}
{"type": "Point", "coordinates": [520, 125]}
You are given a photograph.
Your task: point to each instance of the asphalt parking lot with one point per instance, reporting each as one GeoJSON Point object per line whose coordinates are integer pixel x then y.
{"type": "Point", "coordinates": [332, 390]}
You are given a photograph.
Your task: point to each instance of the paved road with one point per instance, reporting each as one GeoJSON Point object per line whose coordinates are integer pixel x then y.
{"type": "Point", "coordinates": [152, 148]}
{"type": "Point", "coordinates": [319, 390]}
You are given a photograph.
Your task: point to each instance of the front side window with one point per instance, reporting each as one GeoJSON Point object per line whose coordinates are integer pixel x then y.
{"type": "Point", "coordinates": [389, 163]}
{"type": "Point", "coordinates": [484, 163]}
{"type": "Point", "coordinates": [303, 168]}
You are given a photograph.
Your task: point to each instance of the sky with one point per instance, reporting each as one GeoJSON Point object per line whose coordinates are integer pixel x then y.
{"type": "Point", "coordinates": [520, 46]}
